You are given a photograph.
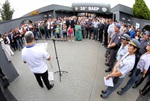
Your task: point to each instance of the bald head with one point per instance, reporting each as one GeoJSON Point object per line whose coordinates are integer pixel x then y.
{"type": "Point", "coordinates": [29, 36]}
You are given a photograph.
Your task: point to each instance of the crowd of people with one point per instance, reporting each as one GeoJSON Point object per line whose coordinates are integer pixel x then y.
{"type": "Point", "coordinates": [127, 47]}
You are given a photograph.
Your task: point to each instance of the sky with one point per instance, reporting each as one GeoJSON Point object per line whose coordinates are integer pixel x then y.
{"type": "Point", "coordinates": [23, 7]}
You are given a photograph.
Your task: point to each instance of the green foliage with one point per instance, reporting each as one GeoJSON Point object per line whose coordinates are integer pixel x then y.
{"type": "Point", "coordinates": [6, 12]}
{"type": "Point", "coordinates": [140, 10]}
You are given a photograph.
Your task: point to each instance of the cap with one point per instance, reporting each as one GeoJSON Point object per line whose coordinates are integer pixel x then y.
{"type": "Point", "coordinates": [147, 33]}
{"type": "Point", "coordinates": [126, 37]}
{"type": "Point", "coordinates": [135, 43]}
{"type": "Point", "coordinates": [117, 25]}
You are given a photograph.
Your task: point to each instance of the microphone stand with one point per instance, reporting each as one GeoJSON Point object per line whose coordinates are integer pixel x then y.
{"type": "Point", "coordinates": [59, 71]}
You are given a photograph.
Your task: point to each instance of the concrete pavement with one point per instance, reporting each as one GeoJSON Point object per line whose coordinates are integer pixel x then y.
{"type": "Point", "coordinates": [84, 61]}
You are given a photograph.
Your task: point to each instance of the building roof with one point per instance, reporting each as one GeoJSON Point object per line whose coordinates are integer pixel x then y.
{"type": "Point", "coordinates": [122, 8]}
{"type": "Point", "coordinates": [52, 7]}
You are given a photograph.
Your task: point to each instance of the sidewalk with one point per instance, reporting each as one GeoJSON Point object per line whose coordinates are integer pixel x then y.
{"type": "Point", "coordinates": [84, 61]}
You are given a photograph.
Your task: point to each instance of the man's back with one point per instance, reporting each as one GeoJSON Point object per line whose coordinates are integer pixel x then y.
{"type": "Point", "coordinates": [34, 56]}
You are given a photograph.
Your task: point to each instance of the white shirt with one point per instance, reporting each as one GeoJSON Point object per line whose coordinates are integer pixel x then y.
{"type": "Point", "coordinates": [48, 25]}
{"type": "Point", "coordinates": [144, 62]}
{"type": "Point", "coordinates": [126, 64]}
{"type": "Point", "coordinates": [95, 24]}
{"type": "Point", "coordinates": [121, 52]}
{"type": "Point", "coordinates": [34, 56]}
{"type": "Point", "coordinates": [111, 29]}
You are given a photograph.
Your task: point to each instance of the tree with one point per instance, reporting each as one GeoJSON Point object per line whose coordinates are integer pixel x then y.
{"type": "Point", "coordinates": [6, 12]}
{"type": "Point", "coordinates": [140, 10]}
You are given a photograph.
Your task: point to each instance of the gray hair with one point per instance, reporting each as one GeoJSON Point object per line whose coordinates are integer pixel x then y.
{"type": "Point", "coordinates": [29, 36]}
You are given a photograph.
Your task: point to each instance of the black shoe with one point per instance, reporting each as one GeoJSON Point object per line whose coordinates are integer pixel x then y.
{"type": "Point", "coordinates": [102, 96]}
{"type": "Point", "coordinates": [118, 92]}
{"type": "Point", "coordinates": [42, 86]}
{"type": "Point", "coordinates": [108, 70]}
{"type": "Point", "coordinates": [104, 91]}
{"type": "Point", "coordinates": [107, 64]}
{"type": "Point", "coordinates": [51, 86]}
{"type": "Point", "coordinates": [135, 86]}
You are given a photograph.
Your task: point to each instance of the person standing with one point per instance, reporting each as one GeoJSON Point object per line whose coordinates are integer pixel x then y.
{"type": "Point", "coordinates": [146, 89]}
{"type": "Point", "coordinates": [58, 31]}
{"type": "Point", "coordinates": [124, 46]}
{"type": "Point", "coordinates": [132, 32]}
{"type": "Point", "coordinates": [141, 70]}
{"type": "Point", "coordinates": [101, 29]}
{"type": "Point", "coordinates": [122, 67]}
{"type": "Point", "coordinates": [70, 34]}
{"type": "Point", "coordinates": [34, 56]}
{"type": "Point", "coordinates": [78, 32]}
{"type": "Point", "coordinates": [95, 24]}
{"type": "Point", "coordinates": [114, 46]}
{"type": "Point", "coordinates": [106, 25]}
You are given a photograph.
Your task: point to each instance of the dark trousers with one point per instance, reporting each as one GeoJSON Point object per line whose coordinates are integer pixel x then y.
{"type": "Point", "coordinates": [106, 38]}
{"type": "Point", "coordinates": [142, 79]}
{"type": "Point", "coordinates": [112, 58]}
{"type": "Point", "coordinates": [95, 33]}
{"type": "Point", "coordinates": [44, 76]}
{"type": "Point", "coordinates": [146, 88]}
{"type": "Point", "coordinates": [101, 35]}
{"type": "Point", "coordinates": [49, 32]}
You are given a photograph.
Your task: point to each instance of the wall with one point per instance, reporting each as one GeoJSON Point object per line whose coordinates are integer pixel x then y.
{"type": "Point", "coordinates": [142, 22]}
{"type": "Point", "coordinates": [63, 14]}
{"type": "Point", "coordinates": [117, 15]}
{"type": "Point", "coordinates": [126, 18]}
{"type": "Point", "coordinates": [48, 14]}
{"type": "Point", "coordinates": [11, 24]}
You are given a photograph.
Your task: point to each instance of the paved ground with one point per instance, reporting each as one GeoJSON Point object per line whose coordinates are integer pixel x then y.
{"type": "Point", "coordinates": [84, 62]}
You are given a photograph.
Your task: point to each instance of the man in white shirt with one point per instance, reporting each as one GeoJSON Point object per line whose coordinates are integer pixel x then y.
{"type": "Point", "coordinates": [111, 30]}
{"type": "Point", "coordinates": [95, 25]}
{"type": "Point", "coordinates": [34, 56]}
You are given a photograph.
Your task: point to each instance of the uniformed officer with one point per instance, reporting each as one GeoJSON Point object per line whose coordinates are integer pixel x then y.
{"type": "Point", "coordinates": [122, 67]}
{"type": "Point", "coordinates": [114, 46]}
{"type": "Point", "coordinates": [144, 41]}
{"type": "Point", "coordinates": [141, 70]}
{"type": "Point", "coordinates": [124, 46]}
{"type": "Point", "coordinates": [142, 50]}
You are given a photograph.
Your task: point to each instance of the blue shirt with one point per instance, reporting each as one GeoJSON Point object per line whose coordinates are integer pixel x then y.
{"type": "Point", "coordinates": [132, 34]}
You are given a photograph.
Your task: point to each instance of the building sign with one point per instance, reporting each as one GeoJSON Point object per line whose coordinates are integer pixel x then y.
{"type": "Point", "coordinates": [36, 12]}
{"type": "Point", "coordinates": [84, 8]}
{"type": "Point", "coordinates": [91, 8]}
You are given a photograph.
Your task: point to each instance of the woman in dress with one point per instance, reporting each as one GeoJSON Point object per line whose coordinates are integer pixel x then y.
{"type": "Point", "coordinates": [78, 32]}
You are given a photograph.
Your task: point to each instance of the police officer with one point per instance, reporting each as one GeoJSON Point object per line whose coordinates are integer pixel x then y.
{"type": "Point", "coordinates": [122, 68]}
{"type": "Point", "coordinates": [144, 42]}
{"type": "Point", "coordinates": [141, 70]}
{"type": "Point", "coordinates": [142, 50]}
{"type": "Point", "coordinates": [124, 46]}
{"type": "Point", "coordinates": [114, 46]}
